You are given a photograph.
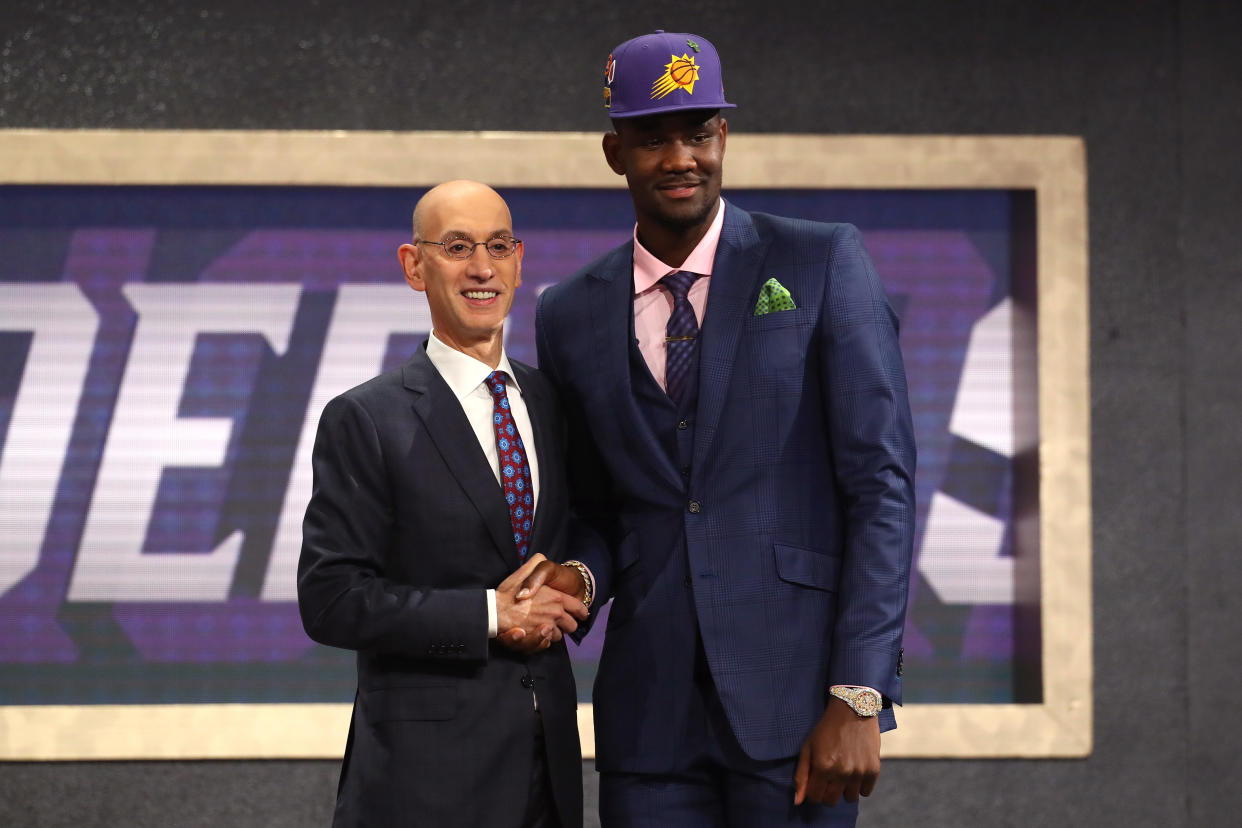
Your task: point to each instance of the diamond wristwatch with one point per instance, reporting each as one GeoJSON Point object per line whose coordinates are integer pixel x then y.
{"type": "Point", "coordinates": [862, 700]}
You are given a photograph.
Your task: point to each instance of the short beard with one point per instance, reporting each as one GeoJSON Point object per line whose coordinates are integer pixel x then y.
{"type": "Point", "coordinates": [683, 222]}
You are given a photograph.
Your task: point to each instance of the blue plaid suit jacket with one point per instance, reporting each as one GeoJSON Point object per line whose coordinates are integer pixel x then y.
{"type": "Point", "coordinates": [798, 550]}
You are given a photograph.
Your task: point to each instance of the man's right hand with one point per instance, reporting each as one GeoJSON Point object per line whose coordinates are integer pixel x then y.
{"type": "Point", "coordinates": [540, 616]}
{"type": "Point", "coordinates": [562, 578]}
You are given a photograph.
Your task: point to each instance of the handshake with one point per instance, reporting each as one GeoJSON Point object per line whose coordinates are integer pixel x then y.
{"type": "Point", "coordinates": [537, 604]}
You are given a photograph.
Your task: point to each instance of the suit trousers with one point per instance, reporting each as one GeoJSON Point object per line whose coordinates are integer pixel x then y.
{"type": "Point", "coordinates": [715, 784]}
{"type": "Point", "coordinates": [540, 806]}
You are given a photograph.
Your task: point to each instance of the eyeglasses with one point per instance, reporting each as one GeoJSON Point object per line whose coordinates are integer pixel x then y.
{"type": "Point", "coordinates": [501, 247]}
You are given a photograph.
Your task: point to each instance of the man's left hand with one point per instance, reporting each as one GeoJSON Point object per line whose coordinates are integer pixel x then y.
{"type": "Point", "coordinates": [841, 757]}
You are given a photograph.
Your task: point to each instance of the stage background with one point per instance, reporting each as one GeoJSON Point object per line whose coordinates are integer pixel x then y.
{"type": "Point", "coordinates": [121, 604]}
{"type": "Point", "coordinates": [1151, 86]}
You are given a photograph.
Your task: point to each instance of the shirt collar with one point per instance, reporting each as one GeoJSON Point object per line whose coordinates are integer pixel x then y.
{"type": "Point", "coordinates": [462, 372]}
{"type": "Point", "coordinates": [648, 269]}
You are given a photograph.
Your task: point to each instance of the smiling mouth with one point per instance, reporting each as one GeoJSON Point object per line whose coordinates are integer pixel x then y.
{"type": "Point", "coordinates": [679, 189]}
{"type": "Point", "coordinates": [481, 294]}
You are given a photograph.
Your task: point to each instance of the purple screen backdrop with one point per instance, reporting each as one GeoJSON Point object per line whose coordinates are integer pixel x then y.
{"type": "Point", "coordinates": [165, 352]}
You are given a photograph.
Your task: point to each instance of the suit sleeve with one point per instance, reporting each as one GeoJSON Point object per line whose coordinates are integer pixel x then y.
{"type": "Point", "coordinates": [872, 439]}
{"type": "Point", "coordinates": [345, 595]}
{"type": "Point", "coordinates": [591, 503]}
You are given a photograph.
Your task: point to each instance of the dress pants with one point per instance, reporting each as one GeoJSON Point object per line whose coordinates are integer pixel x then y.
{"type": "Point", "coordinates": [715, 784]}
{"type": "Point", "coordinates": [540, 806]}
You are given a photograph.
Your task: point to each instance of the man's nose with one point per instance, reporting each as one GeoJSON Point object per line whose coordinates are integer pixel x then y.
{"type": "Point", "coordinates": [678, 156]}
{"type": "Point", "coordinates": [479, 263]}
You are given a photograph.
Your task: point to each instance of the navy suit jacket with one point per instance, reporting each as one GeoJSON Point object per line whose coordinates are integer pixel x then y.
{"type": "Point", "coordinates": [789, 537]}
{"type": "Point", "coordinates": [405, 530]}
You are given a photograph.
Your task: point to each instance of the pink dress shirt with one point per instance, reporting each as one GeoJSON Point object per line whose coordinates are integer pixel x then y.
{"type": "Point", "coordinates": [653, 304]}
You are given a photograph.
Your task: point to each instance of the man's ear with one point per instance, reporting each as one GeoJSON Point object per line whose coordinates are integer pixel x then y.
{"type": "Point", "coordinates": [612, 152]}
{"type": "Point", "coordinates": [410, 257]}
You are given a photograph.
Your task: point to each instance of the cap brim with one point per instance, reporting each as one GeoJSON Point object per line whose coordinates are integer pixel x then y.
{"type": "Point", "coordinates": [658, 110]}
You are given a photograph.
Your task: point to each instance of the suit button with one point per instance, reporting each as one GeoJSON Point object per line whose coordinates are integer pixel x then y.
{"type": "Point", "coordinates": [683, 425]}
{"type": "Point", "coordinates": [695, 507]}
{"type": "Point", "coordinates": [528, 682]}
{"type": "Point", "coordinates": [685, 471]}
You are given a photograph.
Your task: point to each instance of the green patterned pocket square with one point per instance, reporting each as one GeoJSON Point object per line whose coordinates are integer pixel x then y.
{"type": "Point", "coordinates": [773, 297]}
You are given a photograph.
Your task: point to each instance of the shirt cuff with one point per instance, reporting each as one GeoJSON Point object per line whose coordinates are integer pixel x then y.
{"type": "Point", "coordinates": [492, 618]}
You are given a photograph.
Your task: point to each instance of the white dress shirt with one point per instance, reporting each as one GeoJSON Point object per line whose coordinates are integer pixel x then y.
{"type": "Point", "coordinates": [466, 378]}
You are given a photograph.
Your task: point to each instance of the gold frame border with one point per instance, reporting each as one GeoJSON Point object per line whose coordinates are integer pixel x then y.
{"type": "Point", "coordinates": [1053, 166]}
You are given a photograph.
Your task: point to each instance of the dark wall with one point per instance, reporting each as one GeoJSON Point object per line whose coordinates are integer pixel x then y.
{"type": "Point", "coordinates": [1155, 88]}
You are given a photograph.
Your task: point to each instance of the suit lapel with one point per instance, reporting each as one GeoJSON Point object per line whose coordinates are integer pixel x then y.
{"type": "Point", "coordinates": [611, 308]}
{"type": "Point", "coordinates": [447, 426]}
{"type": "Point", "coordinates": [735, 276]}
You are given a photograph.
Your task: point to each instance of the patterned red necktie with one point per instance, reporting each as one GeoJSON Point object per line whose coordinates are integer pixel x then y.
{"type": "Point", "coordinates": [514, 471]}
{"type": "Point", "coordinates": [681, 342]}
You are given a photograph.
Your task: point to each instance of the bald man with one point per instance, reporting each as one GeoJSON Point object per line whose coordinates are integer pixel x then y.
{"type": "Point", "coordinates": [438, 486]}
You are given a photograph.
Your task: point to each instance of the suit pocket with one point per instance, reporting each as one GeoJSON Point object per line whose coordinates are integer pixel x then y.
{"type": "Point", "coordinates": [774, 349]}
{"type": "Point", "coordinates": [807, 567]}
{"type": "Point", "coordinates": [781, 319]}
{"type": "Point", "coordinates": [422, 704]}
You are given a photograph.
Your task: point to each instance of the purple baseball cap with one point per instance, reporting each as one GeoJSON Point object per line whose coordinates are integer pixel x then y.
{"type": "Point", "coordinates": [663, 72]}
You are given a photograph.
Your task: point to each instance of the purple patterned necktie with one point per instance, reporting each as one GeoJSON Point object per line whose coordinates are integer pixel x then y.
{"type": "Point", "coordinates": [681, 341]}
{"type": "Point", "coordinates": [514, 471]}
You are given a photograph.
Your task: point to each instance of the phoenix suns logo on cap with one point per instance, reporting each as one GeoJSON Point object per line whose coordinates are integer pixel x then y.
{"type": "Point", "coordinates": [679, 73]}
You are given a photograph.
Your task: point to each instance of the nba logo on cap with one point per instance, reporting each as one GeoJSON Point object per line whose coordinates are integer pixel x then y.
{"type": "Point", "coordinates": [610, 70]}
{"type": "Point", "coordinates": [663, 72]}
